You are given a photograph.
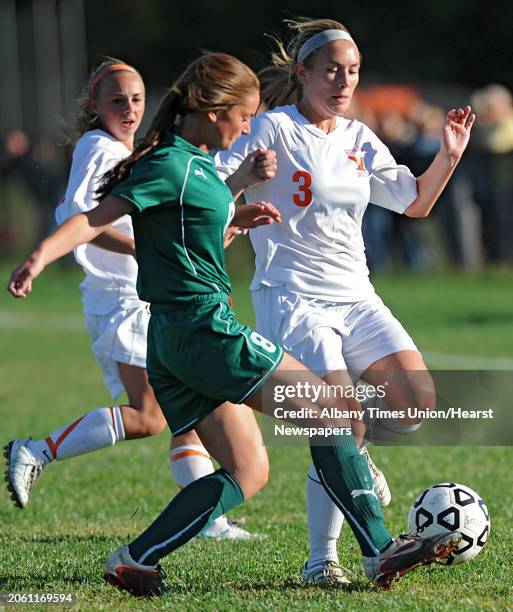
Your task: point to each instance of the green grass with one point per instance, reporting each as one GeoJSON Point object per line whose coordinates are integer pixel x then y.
{"type": "Point", "coordinates": [82, 509]}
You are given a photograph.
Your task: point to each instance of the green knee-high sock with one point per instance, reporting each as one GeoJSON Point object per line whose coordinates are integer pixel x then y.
{"type": "Point", "coordinates": [202, 501]}
{"type": "Point", "coordinates": [346, 478]}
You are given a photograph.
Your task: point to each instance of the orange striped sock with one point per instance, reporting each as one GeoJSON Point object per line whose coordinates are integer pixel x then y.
{"type": "Point", "coordinates": [190, 462]}
{"type": "Point", "coordinates": [97, 429]}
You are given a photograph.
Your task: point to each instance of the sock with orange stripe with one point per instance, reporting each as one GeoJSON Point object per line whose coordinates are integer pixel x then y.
{"type": "Point", "coordinates": [96, 429]}
{"type": "Point", "coordinates": [190, 462]}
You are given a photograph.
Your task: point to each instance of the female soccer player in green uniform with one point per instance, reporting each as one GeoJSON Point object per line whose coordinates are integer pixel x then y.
{"type": "Point", "coordinates": [199, 356]}
{"type": "Point", "coordinates": [109, 113]}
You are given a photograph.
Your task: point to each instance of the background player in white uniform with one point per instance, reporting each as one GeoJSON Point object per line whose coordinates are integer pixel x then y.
{"type": "Point", "coordinates": [311, 290]}
{"type": "Point", "coordinates": [111, 111]}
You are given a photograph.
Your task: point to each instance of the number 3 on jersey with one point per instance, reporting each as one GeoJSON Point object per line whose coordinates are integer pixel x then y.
{"type": "Point", "coordinates": [303, 197]}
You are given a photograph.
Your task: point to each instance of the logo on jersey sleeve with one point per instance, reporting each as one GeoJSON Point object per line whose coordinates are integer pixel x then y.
{"type": "Point", "coordinates": [200, 172]}
{"type": "Point", "coordinates": [357, 156]}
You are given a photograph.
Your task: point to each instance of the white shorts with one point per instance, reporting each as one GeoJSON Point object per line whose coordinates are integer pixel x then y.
{"type": "Point", "coordinates": [119, 337]}
{"type": "Point", "coordinates": [329, 336]}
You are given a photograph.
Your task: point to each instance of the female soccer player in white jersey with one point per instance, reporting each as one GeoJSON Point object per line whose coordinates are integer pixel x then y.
{"type": "Point", "coordinates": [199, 355]}
{"type": "Point", "coordinates": [110, 112]}
{"type": "Point", "coordinates": [311, 290]}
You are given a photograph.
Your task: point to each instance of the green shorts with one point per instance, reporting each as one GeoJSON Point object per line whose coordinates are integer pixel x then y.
{"type": "Point", "coordinates": [199, 356]}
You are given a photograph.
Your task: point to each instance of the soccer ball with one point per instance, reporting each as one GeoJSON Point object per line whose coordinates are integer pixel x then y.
{"type": "Point", "coordinates": [448, 507]}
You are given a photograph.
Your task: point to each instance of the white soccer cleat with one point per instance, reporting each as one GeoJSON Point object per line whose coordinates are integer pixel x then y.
{"type": "Point", "coordinates": [327, 574]}
{"type": "Point", "coordinates": [126, 574]}
{"type": "Point", "coordinates": [407, 552]}
{"type": "Point", "coordinates": [380, 482]}
{"type": "Point", "coordinates": [23, 469]}
{"type": "Point", "coordinates": [226, 529]}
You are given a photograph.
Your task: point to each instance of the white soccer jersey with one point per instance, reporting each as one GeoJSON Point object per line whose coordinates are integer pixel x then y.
{"type": "Point", "coordinates": [110, 277]}
{"type": "Point", "coordinates": [322, 187]}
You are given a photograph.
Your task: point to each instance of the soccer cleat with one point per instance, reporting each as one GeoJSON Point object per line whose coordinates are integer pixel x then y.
{"type": "Point", "coordinates": [236, 522]}
{"type": "Point", "coordinates": [23, 469]}
{"type": "Point", "coordinates": [407, 552]}
{"type": "Point", "coordinates": [380, 482]}
{"type": "Point", "coordinates": [122, 572]}
{"type": "Point", "coordinates": [227, 530]}
{"type": "Point", "coordinates": [327, 574]}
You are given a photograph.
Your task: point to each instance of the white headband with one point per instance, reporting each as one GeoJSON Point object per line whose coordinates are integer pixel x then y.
{"type": "Point", "coordinates": [319, 40]}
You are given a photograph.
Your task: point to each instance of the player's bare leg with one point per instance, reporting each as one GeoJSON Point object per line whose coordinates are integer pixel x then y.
{"type": "Point", "coordinates": [408, 382]}
{"type": "Point", "coordinates": [142, 417]}
{"type": "Point", "coordinates": [231, 435]}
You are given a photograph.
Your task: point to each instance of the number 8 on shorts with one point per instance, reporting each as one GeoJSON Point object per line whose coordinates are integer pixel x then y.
{"type": "Point", "coordinates": [261, 342]}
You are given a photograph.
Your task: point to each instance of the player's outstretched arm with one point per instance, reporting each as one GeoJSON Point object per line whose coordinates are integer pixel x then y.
{"type": "Point", "coordinates": [455, 137]}
{"type": "Point", "coordinates": [257, 167]}
{"type": "Point", "coordinates": [115, 241]}
{"type": "Point", "coordinates": [77, 230]}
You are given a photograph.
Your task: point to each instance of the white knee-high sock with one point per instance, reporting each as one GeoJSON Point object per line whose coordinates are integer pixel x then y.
{"type": "Point", "coordinates": [188, 463]}
{"type": "Point", "coordinates": [324, 521]}
{"type": "Point", "coordinates": [97, 429]}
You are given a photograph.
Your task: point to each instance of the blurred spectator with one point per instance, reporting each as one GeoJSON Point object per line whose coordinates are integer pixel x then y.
{"type": "Point", "coordinates": [475, 212]}
{"type": "Point", "coordinates": [390, 238]}
{"type": "Point", "coordinates": [485, 176]}
{"type": "Point", "coordinates": [428, 121]}
{"type": "Point", "coordinates": [494, 105]}
{"type": "Point", "coordinates": [36, 168]}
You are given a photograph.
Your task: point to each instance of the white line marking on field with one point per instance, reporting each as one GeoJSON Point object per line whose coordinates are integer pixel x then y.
{"type": "Point", "coordinates": [55, 322]}
{"type": "Point", "coordinates": [467, 362]}
{"type": "Point", "coordinates": [75, 323]}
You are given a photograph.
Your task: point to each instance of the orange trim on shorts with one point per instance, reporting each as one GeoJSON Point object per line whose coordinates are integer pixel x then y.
{"type": "Point", "coordinates": [230, 301]}
{"type": "Point", "coordinates": [188, 453]}
{"type": "Point", "coordinates": [53, 446]}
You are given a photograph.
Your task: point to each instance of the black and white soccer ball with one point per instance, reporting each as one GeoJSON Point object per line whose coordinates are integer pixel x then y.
{"type": "Point", "coordinates": [449, 507]}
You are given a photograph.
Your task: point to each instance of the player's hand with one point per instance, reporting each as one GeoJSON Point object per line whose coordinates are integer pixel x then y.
{"type": "Point", "coordinates": [21, 279]}
{"type": "Point", "coordinates": [259, 166]}
{"type": "Point", "coordinates": [252, 215]}
{"type": "Point", "coordinates": [232, 231]}
{"type": "Point", "coordinates": [456, 131]}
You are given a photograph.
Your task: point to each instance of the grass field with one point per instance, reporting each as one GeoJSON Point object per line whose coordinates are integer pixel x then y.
{"type": "Point", "coordinates": [84, 508]}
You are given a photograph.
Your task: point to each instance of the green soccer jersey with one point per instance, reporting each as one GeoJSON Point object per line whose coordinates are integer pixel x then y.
{"type": "Point", "coordinates": [183, 209]}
